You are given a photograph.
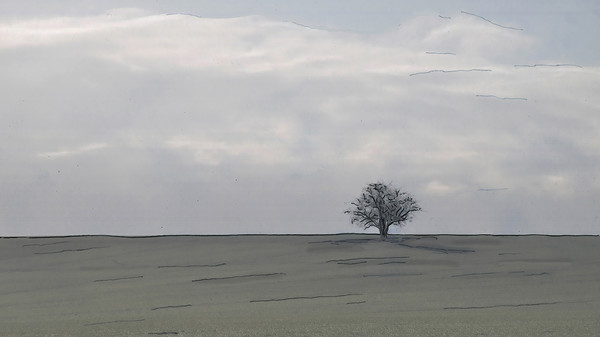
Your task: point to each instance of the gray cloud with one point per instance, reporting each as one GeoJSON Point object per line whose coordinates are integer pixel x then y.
{"type": "Point", "coordinates": [150, 124]}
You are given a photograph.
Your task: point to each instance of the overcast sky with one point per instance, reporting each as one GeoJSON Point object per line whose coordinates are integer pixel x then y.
{"type": "Point", "coordinates": [219, 117]}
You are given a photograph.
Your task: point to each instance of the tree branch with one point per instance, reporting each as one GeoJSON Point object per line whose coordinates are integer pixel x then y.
{"type": "Point", "coordinates": [382, 206]}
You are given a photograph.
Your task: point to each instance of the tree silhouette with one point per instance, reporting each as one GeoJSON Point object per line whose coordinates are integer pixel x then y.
{"type": "Point", "coordinates": [382, 205]}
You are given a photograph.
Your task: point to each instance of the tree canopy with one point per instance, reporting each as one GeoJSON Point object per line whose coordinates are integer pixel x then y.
{"type": "Point", "coordinates": [381, 206]}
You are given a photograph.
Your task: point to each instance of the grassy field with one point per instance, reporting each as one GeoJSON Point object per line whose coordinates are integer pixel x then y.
{"type": "Point", "coordinates": [325, 285]}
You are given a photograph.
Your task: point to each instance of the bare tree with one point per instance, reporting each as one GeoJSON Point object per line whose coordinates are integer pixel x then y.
{"type": "Point", "coordinates": [382, 205]}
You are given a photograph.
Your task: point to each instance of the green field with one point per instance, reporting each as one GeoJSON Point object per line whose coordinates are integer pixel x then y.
{"type": "Point", "coordinates": [322, 285]}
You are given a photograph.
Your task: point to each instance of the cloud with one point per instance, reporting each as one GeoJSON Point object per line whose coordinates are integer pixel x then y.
{"type": "Point", "coordinates": [71, 152]}
{"type": "Point", "coordinates": [256, 44]}
{"type": "Point", "coordinates": [35, 32]}
{"type": "Point", "coordinates": [180, 124]}
{"type": "Point", "coordinates": [438, 188]}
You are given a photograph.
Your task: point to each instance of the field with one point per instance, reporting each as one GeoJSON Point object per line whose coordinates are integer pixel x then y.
{"type": "Point", "coordinates": [321, 285]}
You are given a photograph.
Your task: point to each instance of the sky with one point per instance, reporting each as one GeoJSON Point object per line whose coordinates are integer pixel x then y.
{"type": "Point", "coordinates": [206, 117]}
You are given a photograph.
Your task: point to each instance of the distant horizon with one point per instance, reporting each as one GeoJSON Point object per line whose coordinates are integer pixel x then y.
{"type": "Point", "coordinates": [280, 234]}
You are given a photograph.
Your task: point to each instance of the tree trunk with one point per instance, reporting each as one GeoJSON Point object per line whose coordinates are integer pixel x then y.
{"type": "Point", "coordinates": [382, 235]}
{"type": "Point", "coordinates": [383, 229]}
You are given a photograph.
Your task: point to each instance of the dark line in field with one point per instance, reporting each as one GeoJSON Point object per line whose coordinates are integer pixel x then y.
{"type": "Point", "coordinates": [359, 302]}
{"type": "Point", "coordinates": [392, 262]}
{"type": "Point", "coordinates": [502, 306]}
{"type": "Point", "coordinates": [538, 274]}
{"type": "Point", "coordinates": [559, 260]}
{"type": "Point", "coordinates": [352, 263]}
{"type": "Point", "coordinates": [302, 298]}
{"type": "Point", "coordinates": [353, 240]}
{"type": "Point", "coordinates": [119, 321]}
{"type": "Point", "coordinates": [368, 258]}
{"type": "Point", "coordinates": [193, 265]}
{"type": "Point", "coordinates": [516, 272]}
{"type": "Point", "coordinates": [68, 250]}
{"type": "Point", "coordinates": [445, 17]}
{"type": "Point", "coordinates": [117, 262]}
{"type": "Point", "coordinates": [509, 253]}
{"type": "Point", "coordinates": [44, 244]}
{"type": "Point", "coordinates": [342, 241]}
{"type": "Point", "coordinates": [119, 279]}
{"type": "Point", "coordinates": [448, 71]}
{"type": "Point", "coordinates": [237, 276]}
{"type": "Point", "coordinates": [437, 249]}
{"type": "Point", "coordinates": [418, 238]}
{"type": "Point", "coordinates": [164, 333]}
{"type": "Point", "coordinates": [473, 274]}
{"type": "Point", "coordinates": [172, 307]}
{"type": "Point", "coordinates": [393, 274]}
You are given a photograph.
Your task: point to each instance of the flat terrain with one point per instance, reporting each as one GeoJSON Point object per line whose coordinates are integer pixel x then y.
{"type": "Point", "coordinates": [336, 285]}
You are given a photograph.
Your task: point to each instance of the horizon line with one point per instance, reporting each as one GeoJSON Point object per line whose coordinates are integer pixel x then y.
{"type": "Point", "coordinates": [279, 234]}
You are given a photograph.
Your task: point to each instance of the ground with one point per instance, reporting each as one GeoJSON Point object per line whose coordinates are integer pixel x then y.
{"type": "Point", "coordinates": [322, 285]}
